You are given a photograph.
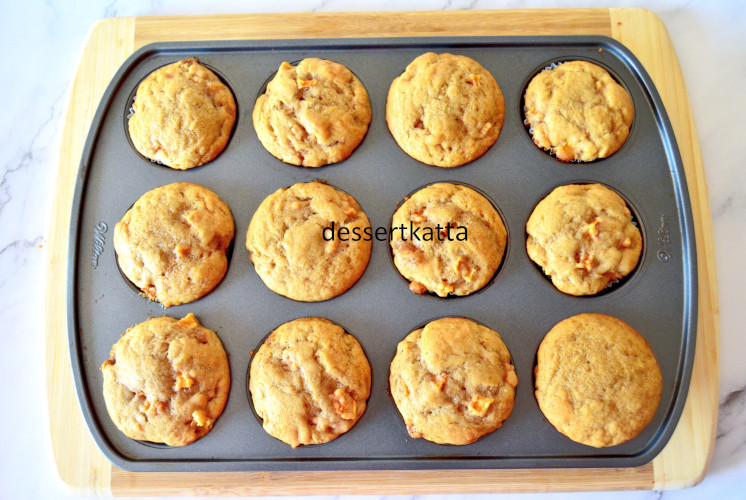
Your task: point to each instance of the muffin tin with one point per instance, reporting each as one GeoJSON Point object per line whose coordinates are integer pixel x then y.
{"type": "Point", "coordinates": [658, 299]}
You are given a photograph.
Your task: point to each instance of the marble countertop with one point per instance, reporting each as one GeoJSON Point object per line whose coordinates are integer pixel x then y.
{"type": "Point", "coordinates": [41, 44]}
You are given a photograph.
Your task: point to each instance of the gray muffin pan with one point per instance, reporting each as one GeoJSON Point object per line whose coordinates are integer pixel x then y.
{"type": "Point", "coordinates": [658, 299]}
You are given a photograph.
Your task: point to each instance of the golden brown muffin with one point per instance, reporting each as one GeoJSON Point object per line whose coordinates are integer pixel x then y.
{"type": "Point", "coordinates": [296, 243]}
{"type": "Point", "coordinates": [453, 381]}
{"type": "Point", "coordinates": [597, 380]}
{"type": "Point", "coordinates": [447, 239]}
{"type": "Point", "coordinates": [172, 243]}
{"type": "Point", "coordinates": [583, 238]}
{"type": "Point", "coordinates": [183, 115]}
{"type": "Point", "coordinates": [309, 382]}
{"type": "Point", "coordinates": [166, 381]}
{"type": "Point", "coordinates": [312, 114]}
{"type": "Point", "coordinates": [578, 112]}
{"type": "Point", "coordinates": [445, 110]}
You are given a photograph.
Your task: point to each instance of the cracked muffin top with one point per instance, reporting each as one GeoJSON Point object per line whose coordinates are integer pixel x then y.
{"type": "Point", "coordinates": [166, 381]}
{"type": "Point", "coordinates": [445, 110]}
{"type": "Point", "coordinates": [312, 114]}
{"type": "Point", "coordinates": [578, 112]}
{"type": "Point", "coordinates": [597, 380]}
{"type": "Point", "coordinates": [172, 243]}
{"type": "Point", "coordinates": [447, 239]}
{"type": "Point", "coordinates": [583, 237]}
{"type": "Point", "coordinates": [183, 115]}
{"type": "Point", "coordinates": [308, 242]}
{"type": "Point", "coordinates": [309, 382]}
{"type": "Point", "coordinates": [453, 381]}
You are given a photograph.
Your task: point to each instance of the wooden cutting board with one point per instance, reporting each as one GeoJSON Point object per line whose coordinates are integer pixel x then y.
{"type": "Point", "coordinates": [85, 470]}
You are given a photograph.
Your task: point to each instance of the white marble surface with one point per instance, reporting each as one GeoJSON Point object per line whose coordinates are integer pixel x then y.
{"type": "Point", "coordinates": [41, 41]}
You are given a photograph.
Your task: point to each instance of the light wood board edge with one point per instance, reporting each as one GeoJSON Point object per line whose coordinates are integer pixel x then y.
{"type": "Point", "coordinates": [89, 472]}
{"type": "Point", "coordinates": [685, 459]}
{"type": "Point", "coordinates": [372, 24]}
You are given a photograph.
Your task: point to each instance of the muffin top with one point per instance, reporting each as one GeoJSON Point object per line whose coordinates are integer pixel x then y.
{"type": "Point", "coordinates": [295, 241]}
{"type": "Point", "coordinates": [578, 112]}
{"type": "Point", "coordinates": [183, 115]}
{"type": "Point", "coordinates": [172, 243]}
{"type": "Point", "coordinates": [445, 110]}
{"type": "Point", "coordinates": [453, 381]}
{"type": "Point", "coordinates": [166, 381]}
{"type": "Point", "coordinates": [447, 239]}
{"type": "Point", "coordinates": [597, 380]}
{"type": "Point", "coordinates": [312, 114]}
{"type": "Point", "coordinates": [309, 382]}
{"type": "Point", "coordinates": [583, 237]}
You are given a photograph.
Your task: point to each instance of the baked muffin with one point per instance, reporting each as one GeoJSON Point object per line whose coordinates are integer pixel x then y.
{"type": "Point", "coordinates": [453, 381]}
{"type": "Point", "coordinates": [172, 243]}
{"type": "Point", "coordinates": [166, 381]}
{"type": "Point", "coordinates": [308, 242]}
{"type": "Point", "coordinates": [309, 382]}
{"type": "Point", "coordinates": [183, 115]}
{"type": "Point", "coordinates": [597, 380]}
{"type": "Point", "coordinates": [445, 110]}
{"type": "Point", "coordinates": [447, 239]}
{"type": "Point", "coordinates": [312, 114]}
{"type": "Point", "coordinates": [583, 237]}
{"type": "Point", "coordinates": [578, 112]}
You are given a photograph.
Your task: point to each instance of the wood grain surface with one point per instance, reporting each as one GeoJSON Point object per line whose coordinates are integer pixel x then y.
{"type": "Point", "coordinates": [82, 467]}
